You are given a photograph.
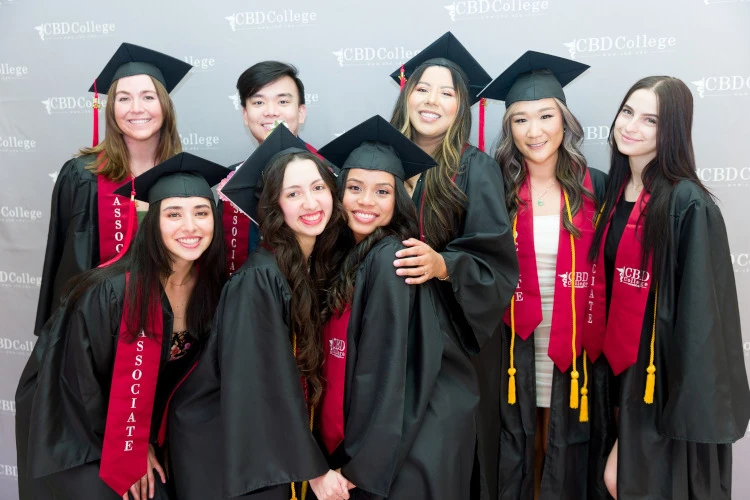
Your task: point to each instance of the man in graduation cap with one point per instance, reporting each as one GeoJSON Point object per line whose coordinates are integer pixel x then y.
{"type": "Point", "coordinates": [89, 224]}
{"type": "Point", "coordinates": [398, 412]}
{"type": "Point", "coordinates": [270, 93]}
{"type": "Point", "coordinates": [550, 409]}
{"type": "Point", "coordinates": [91, 402]}
{"type": "Point", "coordinates": [465, 237]}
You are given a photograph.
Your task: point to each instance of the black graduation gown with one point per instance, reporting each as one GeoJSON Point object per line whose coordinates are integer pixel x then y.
{"type": "Point", "coordinates": [681, 445]}
{"type": "Point", "coordinates": [565, 474]}
{"type": "Point", "coordinates": [409, 396]}
{"type": "Point", "coordinates": [241, 426]}
{"type": "Point", "coordinates": [73, 237]}
{"type": "Point", "coordinates": [482, 263]}
{"type": "Point", "coordinates": [63, 396]}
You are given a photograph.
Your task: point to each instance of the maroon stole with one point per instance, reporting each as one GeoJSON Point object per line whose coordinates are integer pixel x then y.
{"type": "Point", "coordinates": [528, 299]}
{"type": "Point", "coordinates": [117, 220]}
{"type": "Point", "coordinates": [621, 331]}
{"type": "Point", "coordinates": [237, 226]}
{"type": "Point", "coordinates": [334, 372]}
{"type": "Point", "coordinates": [131, 402]}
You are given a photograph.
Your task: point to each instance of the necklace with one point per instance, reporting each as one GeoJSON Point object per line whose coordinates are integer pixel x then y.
{"type": "Point", "coordinates": [636, 187]}
{"type": "Point", "coordinates": [540, 197]}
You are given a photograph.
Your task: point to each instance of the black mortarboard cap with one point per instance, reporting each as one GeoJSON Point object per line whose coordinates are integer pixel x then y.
{"type": "Point", "coordinates": [448, 47]}
{"type": "Point", "coordinates": [534, 76]}
{"type": "Point", "coordinates": [375, 144]}
{"type": "Point", "coordinates": [183, 175]}
{"type": "Point", "coordinates": [241, 188]}
{"type": "Point", "coordinates": [130, 60]}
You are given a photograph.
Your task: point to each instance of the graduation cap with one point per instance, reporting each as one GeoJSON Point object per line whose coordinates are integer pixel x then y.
{"type": "Point", "coordinates": [448, 47]}
{"type": "Point", "coordinates": [375, 144]}
{"type": "Point", "coordinates": [183, 175]}
{"type": "Point", "coordinates": [533, 76]}
{"type": "Point", "coordinates": [241, 188]}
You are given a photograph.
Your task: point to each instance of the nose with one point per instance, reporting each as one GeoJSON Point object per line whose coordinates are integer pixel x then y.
{"type": "Point", "coordinates": [272, 109]}
{"type": "Point", "coordinates": [366, 199]}
{"type": "Point", "coordinates": [630, 124]}
{"type": "Point", "coordinates": [432, 97]}
{"type": "Point", "coordinates": [534, 130]}
{"type": "Point", "coordinates": [309, 203]}
{"type": "Point", "coordinates": [136, 105]}
{"type": "Point", "coordinates": [189, 224]}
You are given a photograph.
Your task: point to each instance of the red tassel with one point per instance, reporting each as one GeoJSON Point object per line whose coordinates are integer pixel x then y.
{"type": "Point", "coordinates": [95, 106]}
{"type": "Point", "coordinates": [402, 78]}
{"type": "Point", "coordinates": [482, 105]}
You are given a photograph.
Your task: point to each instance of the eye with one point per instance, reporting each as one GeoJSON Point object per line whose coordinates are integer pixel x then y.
{"type": "Point", "coordinates": [284, 101]}
{"type": "Point", "coordinates": [150, 97]}
{"type": "Point", "coordinates": [353, 187]}
{"type": "Point", "coordinates": [420, 89]}
{"type": "Point", "coordinates": [547, 116]}
{"type": "Point", "coordinates": [651, 121]}
{"type": "Point", "coordinates": [257, 102]}
{"type": "Point", "coordinates": [448, 93]}
{"type": "Point", "coordinates": [173, 215]}
{"type": "Point", "coordinates": [383, 192]}
{"type": "Point", "coordinates": [203, 213]}
{"type": "Point", "coordinates": [122, 99]}
{"type": "Point", "coordinates": [292, 194]}
{"type": "Point", "coordinates": [319, 187]}
{"type": "Point", "coordinates": [626, 111]}
{"type": "Point", "coordinates": [519, 120]}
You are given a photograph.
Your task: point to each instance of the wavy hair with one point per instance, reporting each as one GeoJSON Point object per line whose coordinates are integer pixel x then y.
{"type": "Point", "coordinates": [674, 162]}
{"type": "Point", "coordinates": [308, 288]}
{"type": "Point", "coordinates": [444, 202]}
{"type": "Point", "coordinates": [570, 169]}
{"type": "Point", "coordinates": [112, 156]}
{"type": "Point", "coordinates": [149, 263]}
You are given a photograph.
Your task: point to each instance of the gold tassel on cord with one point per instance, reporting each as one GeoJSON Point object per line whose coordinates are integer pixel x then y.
{"type": "Point", "coordinates": [512, 369]}
{"type": "Point", "coordinates": [584, 415]}
{"type": "Point", "coordinates": [648, 397]}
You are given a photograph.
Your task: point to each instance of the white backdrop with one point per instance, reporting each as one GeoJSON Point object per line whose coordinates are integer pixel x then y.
{"type": "Point", "coordinates": [50, 51]}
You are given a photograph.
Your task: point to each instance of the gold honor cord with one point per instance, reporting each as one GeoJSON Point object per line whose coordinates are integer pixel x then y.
{"type": "Point", "coordinates": [512, 370]}
{"type": "Point", "coordinates": [648, 396]}
{"type": "Point", "coordinates": [574, 372]}
{"type": "Point", "coordinates": [312, 418]}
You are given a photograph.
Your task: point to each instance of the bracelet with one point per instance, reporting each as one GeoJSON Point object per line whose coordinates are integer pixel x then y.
{"type": "Point", "coordinates": [447, 277]}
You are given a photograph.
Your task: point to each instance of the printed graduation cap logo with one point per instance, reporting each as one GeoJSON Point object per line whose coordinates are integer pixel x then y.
{"type": "Point", "coordinates": [533, 76]}
{"type": "Point", "coordinates": [375, 144]}
{"type": "Point", "coordinates": [241, 189]}
{"type": "Point", "coordinates": [131, 60]}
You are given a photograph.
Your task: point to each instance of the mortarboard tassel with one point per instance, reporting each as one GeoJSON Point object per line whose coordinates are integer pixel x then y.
{"type": "Point", "coordinates": [482, 105]}
{"type": "Point", "coordinates": [574, 373]}
{"type": "Point", "coordinates": [95, 107]}
{"type": "Point", "coordinates": [512, 369]}
{"type": "Point", "coordinates": [648, 397]}
{"type": "Point", "coordinates": [402, 79]}
{"type": "Point", "coordinates": [584, 415]}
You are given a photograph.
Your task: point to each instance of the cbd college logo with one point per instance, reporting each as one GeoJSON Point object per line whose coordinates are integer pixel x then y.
{"type": "Point", "coordinates": [75, 29]}
{"type": "Point", "coordinates": [582, 279]}
{"type": "Point", "coordinates": [709, 86]}
{"type": "Point", "coordinates": [270, 19]}
{"type": "Point", "coordinates": [623, 45]}
{"type": "Point", "coordinates": [373, 56]}
{"type": "Point", "coordinates": [75, 105]}
{"type": "Point", "coordinates": [495, 9]}
{"type": "Point", "coordinates": [337, 348]}
{"type": "Point", "coordinates": [636, 278]}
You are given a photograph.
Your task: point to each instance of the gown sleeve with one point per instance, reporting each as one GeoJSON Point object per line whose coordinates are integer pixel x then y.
{"type": "Point", "coordinates": [267, 438]}
{"type": "Point", "coordinates": [482, 261]}
{"type": "Point", "coordinates": [707, 398]}
{"type": "Point", "coordinates": [397, 360]}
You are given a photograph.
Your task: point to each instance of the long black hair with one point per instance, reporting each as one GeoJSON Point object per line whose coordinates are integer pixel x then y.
{"type": "Point", "coordinates": [674, 162]}
{"type": "Point", "coordinates": [149, 263]}
{"type": "Point", "coordinates": [306, 287]}
{"type": "Point", "coordinates": [403, 225]}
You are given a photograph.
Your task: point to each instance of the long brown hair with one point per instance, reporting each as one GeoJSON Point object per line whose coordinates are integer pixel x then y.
{"type": "Point", "coordinates": [443, 200]}
{"type": "Point", "coordinates": [674, 162]}
{"type": "Point", "coordinates": [112, 157]}
{"type": "Point", "coordinates": [308, 288]}
{"type": "Point", "coordinates": [569, 170]}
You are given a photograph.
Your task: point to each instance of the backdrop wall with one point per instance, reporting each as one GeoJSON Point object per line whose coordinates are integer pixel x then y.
{"type": "Point", "coordinates": [50, 51]}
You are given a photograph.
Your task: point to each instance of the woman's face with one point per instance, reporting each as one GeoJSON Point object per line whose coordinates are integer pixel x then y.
{"type": "Point", "coordinates": [187, 227]}
{"type": "Point", "coordinates": [138, 111]}
{"type": "Point", "coordinates": [636, 126]}
{"type": "Point", "coordinates": [537, 128]}
{"type": "Point", "coordinates": [305, 199]}
{"type": "Point", "coordinates": [369, 200]}
{"type": "Point", "coordinates": [432, 105]}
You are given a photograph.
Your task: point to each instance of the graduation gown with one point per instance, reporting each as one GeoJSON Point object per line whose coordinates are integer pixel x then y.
{"type": "Point", "coordinates": [63, 395]}
{"type": "Point", "coordinates": [73, 237]}
{"type": "Point", "coordinates": [483, 267]}
{"type": "Point", "coordinates": [409, 392]}
{"type": "Point", "coordinates": [681, 445]}
{"type": "Point", "coordinates": [565, 474]}
{"type": "Point", "coordinates": [242, 426]}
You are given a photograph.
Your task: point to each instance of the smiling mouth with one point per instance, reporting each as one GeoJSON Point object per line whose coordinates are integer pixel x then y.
{"type": "Point", "coordinates": [537, 145]}
{"type": "Point", "coordinates": [140, 121]}
{"type": "Point", "coordinates": [189, 242]}
{"type": "Point", "coordinates": [364, 217]}
{"type": "Point", "coordinates": [628, 138]}
{"type": "Point", "coordinates": [312, 219]}
{"type": "Point", "coordinates": [429, 116]}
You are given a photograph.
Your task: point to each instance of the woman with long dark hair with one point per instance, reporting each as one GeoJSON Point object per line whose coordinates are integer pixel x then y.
{"type": "Point", "coordinates": [258, 382]}
{"type": "Point", "coordinates": [398, 407]}
{"type": "Point", "coordinates": [665, 307]}
{"type": "Point", "coordinates": [465, 240]}
{"type": "Point", "coordinates": [89, 223]}
{"type": "Point", "coordinates": [551, 196]}
{"type": "Point", "coordinates": [92, 397]}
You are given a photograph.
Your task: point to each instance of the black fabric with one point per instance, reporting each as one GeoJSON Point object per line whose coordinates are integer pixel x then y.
{"type": "Point", "coordinates": [73, 236]}
{"type": "Point", "coordinates": [612, 240]}
{"type": "Point", "coordinates": [483, 269]}
{"type": "Point", "coordinates": [565, 474]}
{"type": "Point", "coordinates": [410, 393]}
{"type": "Point", "coordinates": [62, 396]}
{"type": "Point", "coordinates": [241, 427]}
{"type": "Point", "coordinates": [680, 446]}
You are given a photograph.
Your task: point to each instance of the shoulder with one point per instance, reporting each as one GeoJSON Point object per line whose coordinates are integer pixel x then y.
{"type": "Point", "coordinates": [75, 170]}
{"type": "Point", "coordinates": [598, 181]}
{"type": "Point", "coordinates": [382, 254]}
{"type": "Point", "coordinates": [687, 195]}
{"type": "Point", "coordinates": [259, 270]}
{"type": "Point", "coordinates": [472, 157]}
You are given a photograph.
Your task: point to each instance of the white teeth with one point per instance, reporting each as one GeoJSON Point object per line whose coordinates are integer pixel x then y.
{"type": "Point", "coordinates": [312, 217]}
{"type": "Point", "coordinates": [427, 114]}
{"type": "Point", "coordinates": [189, 241]}
{"type": "Point", "coordinates": [141, 121]}
{"type": "Point", "coordinates": [363, 215]}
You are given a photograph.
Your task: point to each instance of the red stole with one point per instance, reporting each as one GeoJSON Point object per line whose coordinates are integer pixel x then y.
{"type": "Point", "coordinates": [117, 219]}
{"type": "Point", "coordinates": [131, 402]}
{"type": "Point", "coordinates": [334, 372]}
{"type": "Point", "coordinates": [630, 286]}
{"type": "Point", "coordinates": [528, 299]}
